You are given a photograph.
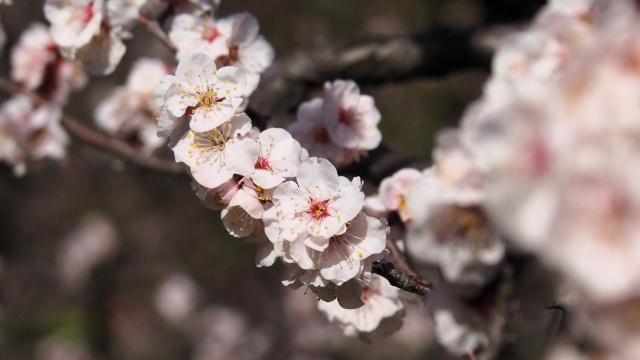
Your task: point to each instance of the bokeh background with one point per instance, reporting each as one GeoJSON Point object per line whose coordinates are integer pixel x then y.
{"type": "Point", "coordinates": [87, 245]}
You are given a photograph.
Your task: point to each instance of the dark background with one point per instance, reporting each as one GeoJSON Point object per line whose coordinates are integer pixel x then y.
{"type": "Point", "coordinates": [162, 229]}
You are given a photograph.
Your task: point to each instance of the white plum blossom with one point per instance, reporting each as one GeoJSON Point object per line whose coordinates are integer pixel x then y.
{"type": "Point", "coordinates": [197, 34]}
{"type": "Point", "coordinates": [320, 204]}
{"type": "Point", "coordinates": [279, 158]}
{"type": "Point", "coordinates": [351, 118]}
{"type": "Point", "coordinates": [310, 130]}
{"type": "Point", "coordinates": [214, 156]}
{"type": "Point", "coordinates": [29, 133]}
{"type": "Point", "coordinates": [129, 112]}
{"type": "Point", "coordinates": [92, 30]}
{"type": "Point", "coordinates": [394, 191]}
{"type": "Point", "coordinates": [340, 257]}
{"type": "Point", "coordinates": [209, 95]}
{"type": "Point", "coordinates": [381, 305]}
{"type": "Point", "coordinates": [244, 213]}
{"type": "Point", "coordinates": [247, 49]}
{"type": "Point", "coordinates": [169, 126]}
{"type": "Point", "coordinates": [37, 66]}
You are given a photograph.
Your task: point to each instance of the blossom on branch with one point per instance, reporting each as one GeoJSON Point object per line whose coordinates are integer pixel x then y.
{"type": "Point", "coordinates": [351, 118]}
{"type": "Point", "coordinates": [210, 96]}
{"type": "Point", "coordinates": [214, 156]}
{"type": "Point", "coordinates": [382, 310]}
{"type": "Point", "coordinates": [341, 127]}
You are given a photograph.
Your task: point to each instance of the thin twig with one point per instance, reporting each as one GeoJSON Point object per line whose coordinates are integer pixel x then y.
{"type": "Point", "coordinates": [400, 259]}
{"type": "Point", "coordinates": [118, 147]}
{"type": "Point", "coordinates": [400, 279]}
{"type": "Point", "coordinates": [155, 29]}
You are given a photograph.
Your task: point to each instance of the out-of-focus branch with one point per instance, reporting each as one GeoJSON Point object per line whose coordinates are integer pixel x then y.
{"type": "Point", "coordinates": [120, 148]}
{"type": "Point", "coordinates": [400, 279]}
{"type": "Point", "coordinates": [435, 53]}
{"type": "Point", "coordinates": [155, 29]}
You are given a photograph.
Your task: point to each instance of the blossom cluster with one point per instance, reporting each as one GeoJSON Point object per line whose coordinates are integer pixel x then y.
{"type": "Point", "coordinates": [297, 208]}
{"type": "Point", "coordinates": [30, 125]}
{"type": "Point", "coordinates": [556, 155]}
{"type": "Point", "coordinates": [341, 126]}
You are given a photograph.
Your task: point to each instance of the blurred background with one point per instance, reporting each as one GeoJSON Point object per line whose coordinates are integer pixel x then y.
{"type": "Point", "coordinates": [100, 259]}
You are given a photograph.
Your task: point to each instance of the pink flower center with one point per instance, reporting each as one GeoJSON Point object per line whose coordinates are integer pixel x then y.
{"type": "Point", "coordinates": [319, 209]}
{"type": "Point", "coordinates": [262, 164]}
{"type": "Point", "coordinates": [365, 294]}
{"type": "Point", "coordinates": [88, 13]}
{"type": "Point", "coordinates": [210, 33]}
{"type": "Point", "coordinates": [346, 117]}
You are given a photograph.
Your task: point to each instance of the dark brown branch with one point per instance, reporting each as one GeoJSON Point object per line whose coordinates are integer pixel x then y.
{"type": "Point", "coordinates": [120, 148]}
{"type": "Point", "coordinates": [400, 279]}
{"type": "Point", "coordinates": [367, 61]}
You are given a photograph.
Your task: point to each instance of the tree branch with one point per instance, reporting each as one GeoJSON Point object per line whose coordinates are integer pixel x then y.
{"type": "Point", "coordinates": [400, 279]}
{"type": "Point", "coordinates": [376, 60]}
{"type": "Point", "coordinates": [120, 148]}
{"type": "Point", "coordinates": [154, 28]}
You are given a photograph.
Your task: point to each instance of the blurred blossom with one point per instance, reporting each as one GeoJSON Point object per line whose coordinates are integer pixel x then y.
{"type": "Point", "coordinates": [394, 191]}
{"type": "Point", "coordinates": [615, 327]}
{"type": "Point", "coordinates": [382, 312]}
{"type": "Point", "coordinates": [226, 334]}
{"type": "Point", "coordinates": [177, 297]}
{"type": "Point", "coordinates": [129, 112]}
{"type": "Point", "coordinates": [92, 30]}
{"type": "Point", "coordinates": [30, 133]}
{"type": "Point", "coordinates": [54, 349]}
{"type": "Point", "coordinates": [460, 328]}
{"type": "Point", "coordinates": [450, 226]}
{"type": "Point", "coordinates": [562, 175]}
{"type": "Point", "coordinates": [37, 65]}
{"type": "Point", "coordinates": [91, 242]}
